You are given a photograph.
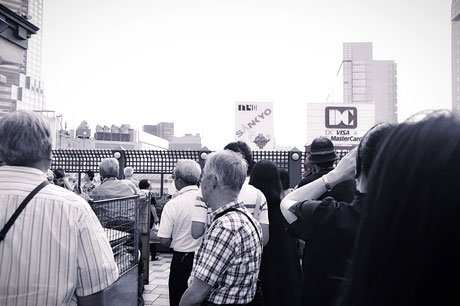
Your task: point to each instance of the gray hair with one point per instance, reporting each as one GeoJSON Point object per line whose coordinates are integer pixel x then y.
{"type": "Point", "coordinates": [109, 167]}
{"type": "Point", "coordinates": [25, 138]}
{"type": "Point", "coordinates": [128, 171]}
{"type": "Point", "coordinates": [189, 170]}
{"type": "Point", "coordinates": [230, 169]}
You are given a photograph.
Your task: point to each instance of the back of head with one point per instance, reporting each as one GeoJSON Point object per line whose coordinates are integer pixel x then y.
{"type": "Point", "coordinates": [109, 167]}
{"type": "Point", "coordinates": [144, 184]}
{"type": "Point", "coordinates": [59, 173]}
{"type": "Point", "coordinates": [369, 147]}
{"type": "Point", "coordinates": [409, 230]}
{"type": "Point", "coordinates": [242, 148]}
{"type": "Point", "coordinates": [90, 174]}
{"type": "Point", "coordinates": [25, 139]}
{"type": "Point", "coordinates": [128, 171]}
{"type": "Point", "coordinates": [265, 177]}
{"type": "Point", "coordinates": [322, 152]}
{"type": "Point", "coordinates": [229, 168]}
{"type": "Point", "coordinates": [188, 170]}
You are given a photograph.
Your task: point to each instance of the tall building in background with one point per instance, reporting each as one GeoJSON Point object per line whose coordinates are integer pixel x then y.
{"type": "Point", "coordinates": [455, 17]}
{"type": "Point", "coordinates": [23, 89]}
{"type": "Point", "coordinates": [366, 80]}
{"type": "Point", "coordinates": [164, 130]}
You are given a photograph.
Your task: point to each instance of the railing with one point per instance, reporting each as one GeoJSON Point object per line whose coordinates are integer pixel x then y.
{"type": "Point", "coordinates": [163, 161]}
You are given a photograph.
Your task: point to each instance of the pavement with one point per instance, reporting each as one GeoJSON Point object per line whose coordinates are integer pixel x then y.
{"type": "Point", "coordinates": [156, 291]}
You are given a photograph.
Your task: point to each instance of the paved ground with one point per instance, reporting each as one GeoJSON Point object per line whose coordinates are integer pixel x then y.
{"type": "Point", "coordinates": [156, 292]}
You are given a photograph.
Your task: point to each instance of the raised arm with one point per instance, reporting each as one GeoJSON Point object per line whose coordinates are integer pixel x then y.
{"type": "Point", "coordinates": [345, 170]}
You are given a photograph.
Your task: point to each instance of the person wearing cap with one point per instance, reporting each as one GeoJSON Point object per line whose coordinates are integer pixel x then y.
{"type": "Point", "coordinates": [322, 157]}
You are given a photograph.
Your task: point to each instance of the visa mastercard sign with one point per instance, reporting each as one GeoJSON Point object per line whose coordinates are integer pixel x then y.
{"type": "Point", "coordinates": [343, 124]}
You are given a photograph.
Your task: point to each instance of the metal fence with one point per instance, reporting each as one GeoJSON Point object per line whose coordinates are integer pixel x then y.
{"type": "Point", "coordinates": [119, 219]}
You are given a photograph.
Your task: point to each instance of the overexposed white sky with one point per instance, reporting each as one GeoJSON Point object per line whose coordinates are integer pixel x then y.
{"type": "Point", "coordinates": [188, 61]}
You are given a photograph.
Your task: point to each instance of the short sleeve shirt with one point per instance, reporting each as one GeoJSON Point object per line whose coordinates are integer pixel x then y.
{"type": "Point", "coordinates": [176, 221]}
{"type": "Point", "coordinates": [249, 196]}
{"type": "Point", "coordinates": [229, 257]}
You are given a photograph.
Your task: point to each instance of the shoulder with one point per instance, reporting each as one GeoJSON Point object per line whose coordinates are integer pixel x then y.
{"type": "Point", "coordinates": [249, 194]}
{"type": "Point", "coordinates": [62, 196]}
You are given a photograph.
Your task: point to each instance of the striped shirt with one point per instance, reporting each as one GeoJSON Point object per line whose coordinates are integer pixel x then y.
{"type": "Point", "coordinates": [56, 250]}
{"type": "Point", "coordinates": [229, 256]}
{"type": "Point", "coordinates": [249, 196]}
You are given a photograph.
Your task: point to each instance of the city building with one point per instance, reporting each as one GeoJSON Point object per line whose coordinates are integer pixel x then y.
{"type": "Point", "coordinates": [108, 138]}
{"type": "Point", "coordinates": [186, 142]}
{"type": "Point", "coordinates": [163, 129]}
{"type": "Point", "coordinates": [366, 80]}
{"type": "Point", "coordinates": [23, 88]}
{"type": "Point", "coordinates": [455, 17]}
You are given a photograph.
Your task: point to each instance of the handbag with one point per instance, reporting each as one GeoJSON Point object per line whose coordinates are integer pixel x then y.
{"type": "Point", "coordinates": [153, 236]}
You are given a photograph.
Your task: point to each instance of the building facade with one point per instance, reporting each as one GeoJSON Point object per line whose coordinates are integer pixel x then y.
{"type": "Point", "coordinates": [366, 80]}
{"type": "Point", "coordinates": [186, 142]}
{"type": "Point", "coordinates": [455, 17]}
{"type": "Point", "coordinates": [23, 89]}
{"type": "Point", "coordinates": [164, 130]}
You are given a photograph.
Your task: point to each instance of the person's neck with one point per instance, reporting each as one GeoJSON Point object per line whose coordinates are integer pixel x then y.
{"type": "Point", "coordinates": [221, 200]}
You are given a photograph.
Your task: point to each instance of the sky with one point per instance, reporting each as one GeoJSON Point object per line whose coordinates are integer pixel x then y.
{"type": "Point", "coordinates": [188, 61]}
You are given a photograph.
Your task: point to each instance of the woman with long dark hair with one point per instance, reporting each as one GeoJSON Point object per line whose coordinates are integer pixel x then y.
{"type": "Point", "coordinates": [280, 272]}
{"type": "Point", "coordinates": [408, 246]}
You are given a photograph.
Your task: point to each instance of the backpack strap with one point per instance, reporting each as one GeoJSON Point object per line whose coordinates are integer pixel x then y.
{"type": "Point", "coordinates": [20, 209]}
{"type": "Point", "coordinates": [237, 210]}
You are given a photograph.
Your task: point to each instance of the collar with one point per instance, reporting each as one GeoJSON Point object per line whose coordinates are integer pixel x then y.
{"type": "Point", "coordinates": [232, 204]}
{"type": "Point", "coordinates": [26, 170]}
{"type": "Point", "coordinates": [188, 188]}
{"type": "Point", "coordinates": [109, 179]}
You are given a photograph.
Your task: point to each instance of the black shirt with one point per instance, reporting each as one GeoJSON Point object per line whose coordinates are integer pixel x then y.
{"type": "Point", "coordinates": [329, 229]}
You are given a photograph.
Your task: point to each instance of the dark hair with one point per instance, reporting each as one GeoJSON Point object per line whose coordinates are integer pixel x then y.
{"type": "Point", "coordinates": [407, 250]}
{"type": "Point", "coordinates": [90, 174]}
{"type": "Point", "coordinates": [58, 173]}
{"type": "Point", "coordinates": [242, 148]}
{"type": "Point", "coordinates": [327, 164]}
{"type": "Point", "coordinates": [265, 177]}
{"type": "Point", "coordinates": [369, 146]}
{"type": "Point", "coordinates": [284, 178]}
{"type": "Point", "coordinates": [144, 184]}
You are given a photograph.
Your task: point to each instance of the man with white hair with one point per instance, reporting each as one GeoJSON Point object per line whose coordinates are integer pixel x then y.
{"type": "Point", "coordinates": [53, 248]}
{"type": "Point", "coordinates": [175, 227]}
{"type": "Point", "coordinates": [129, 172]}
{"type": "Point", "coordinates": [111, 187]}
{"type": "Point", "coordinates": [226, 265]}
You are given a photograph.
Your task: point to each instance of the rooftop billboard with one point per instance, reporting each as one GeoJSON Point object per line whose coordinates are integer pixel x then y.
{"type": "Point", "coordinates": [343, 124]}
{"type": "Point", "coordinates": [254, 124]}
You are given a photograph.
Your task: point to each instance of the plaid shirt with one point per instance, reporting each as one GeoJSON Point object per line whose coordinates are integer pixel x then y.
{"type": "Point", "coordinates": [229, 256]}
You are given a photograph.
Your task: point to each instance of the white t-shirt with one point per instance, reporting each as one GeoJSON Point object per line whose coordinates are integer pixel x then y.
{"type": "Point", "coordinates": [248, 196]}
{"type": "Point", "coordinates": [176, 220]}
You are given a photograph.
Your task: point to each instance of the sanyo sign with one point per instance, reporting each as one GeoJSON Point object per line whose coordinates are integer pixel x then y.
{"type": "Point", "coordinates": [254, 124]}
{"type": "Point", "coordinates": [343, 124]}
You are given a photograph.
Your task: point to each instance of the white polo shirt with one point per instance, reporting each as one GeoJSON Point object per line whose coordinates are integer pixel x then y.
{"type": "Point", "coordinates": [176, 221]}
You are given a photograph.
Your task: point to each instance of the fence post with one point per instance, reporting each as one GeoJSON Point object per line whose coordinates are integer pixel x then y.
{"type": "Point", "coordinates": [119, 154]}
{"type": "Point", "coordinates": [294, 166]}
{"type": "Point", "coordinates": [202, 155]}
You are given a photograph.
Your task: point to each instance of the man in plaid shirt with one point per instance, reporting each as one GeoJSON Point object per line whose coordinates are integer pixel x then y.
{"type": "Point", "coordinates": [226, 265]}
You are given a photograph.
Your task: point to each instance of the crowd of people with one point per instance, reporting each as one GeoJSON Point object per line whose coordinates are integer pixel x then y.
{"type": "Point", "coordinates": [378, 227]}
